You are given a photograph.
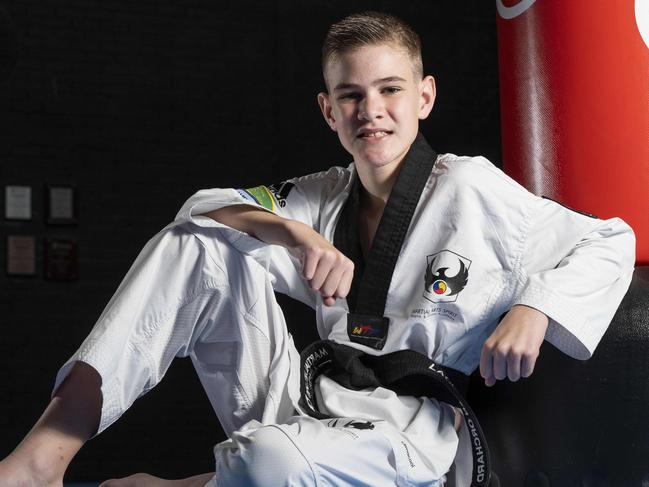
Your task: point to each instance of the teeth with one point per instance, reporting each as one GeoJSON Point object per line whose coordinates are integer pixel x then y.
{"type": "Point", "coordinates": [375, 134]}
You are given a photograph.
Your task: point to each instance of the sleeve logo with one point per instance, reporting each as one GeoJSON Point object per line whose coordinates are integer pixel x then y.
{"type": "Point", "coordinates": [269, 197]}
{"type": "Point", "coordinates": [280, 192]}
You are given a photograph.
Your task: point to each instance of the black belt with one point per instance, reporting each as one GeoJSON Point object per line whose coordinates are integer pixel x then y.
{"type": "Point", "coordinates": [406, 372]}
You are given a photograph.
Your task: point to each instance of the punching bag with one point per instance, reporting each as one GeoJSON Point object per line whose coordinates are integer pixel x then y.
{"type": "Point", "coordinates": [574, 94]}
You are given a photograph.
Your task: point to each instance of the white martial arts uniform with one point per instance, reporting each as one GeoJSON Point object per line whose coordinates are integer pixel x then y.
{"type": "Point", "coordinates": [202, 289]}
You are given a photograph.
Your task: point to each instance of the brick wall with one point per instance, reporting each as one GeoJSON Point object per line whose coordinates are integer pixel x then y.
{"type": "Point", "coordinates": [140, 104]}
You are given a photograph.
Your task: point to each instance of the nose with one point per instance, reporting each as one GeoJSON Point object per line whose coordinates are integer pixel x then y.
{"type": "Point", "coordinates": [370, 107]}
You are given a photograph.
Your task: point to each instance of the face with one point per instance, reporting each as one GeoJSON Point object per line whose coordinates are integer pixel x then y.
{"type": "Point", "coordinates": [375, 103]}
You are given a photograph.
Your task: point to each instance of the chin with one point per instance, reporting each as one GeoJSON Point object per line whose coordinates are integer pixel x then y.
{"type": "Point", "coordinates": [381, 158]}
{"type": "Point", "coordinates": [378, 161]}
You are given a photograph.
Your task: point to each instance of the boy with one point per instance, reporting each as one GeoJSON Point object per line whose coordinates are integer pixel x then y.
{"type": "Point", "coordinates": [477, 246]}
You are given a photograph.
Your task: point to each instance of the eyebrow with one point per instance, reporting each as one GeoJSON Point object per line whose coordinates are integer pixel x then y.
{"type": "Point", "coordinates": [389, 79]}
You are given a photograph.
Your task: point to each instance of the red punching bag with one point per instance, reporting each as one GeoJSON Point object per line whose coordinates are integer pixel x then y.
{"type": "Point", "coordinates": [574, 93]}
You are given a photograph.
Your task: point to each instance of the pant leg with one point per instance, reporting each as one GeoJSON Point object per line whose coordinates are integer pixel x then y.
{"type": "Point", "coordinates": [306, 452]}
{"type": "Point", "coordinates": [171, 303]}
{"type": "Point", "coordinates": [245, 357]}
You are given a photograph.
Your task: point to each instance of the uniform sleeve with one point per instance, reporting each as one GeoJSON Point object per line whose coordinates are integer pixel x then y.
{"type": "Point", "coordinates": [300, 199]}
{"type": "Point", "coordinates": [576, 270]}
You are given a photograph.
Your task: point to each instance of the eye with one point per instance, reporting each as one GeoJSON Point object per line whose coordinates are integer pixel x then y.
{"type": "Point", "coordinates": [392, 90]}
{"type": "Point", "coordinates": [349, 96]}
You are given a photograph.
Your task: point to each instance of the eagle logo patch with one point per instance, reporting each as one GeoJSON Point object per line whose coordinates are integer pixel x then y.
{"type": "Point", "coordinates": [447, 274]}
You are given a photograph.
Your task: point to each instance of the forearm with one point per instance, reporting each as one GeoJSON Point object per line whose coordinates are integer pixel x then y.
{"type": "Point", "coordinates": [324, 267]}
{"type": "Point", "coordinates": [263, 225]}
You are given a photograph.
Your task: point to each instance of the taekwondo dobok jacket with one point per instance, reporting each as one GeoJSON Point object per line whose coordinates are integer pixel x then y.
{"type": "Point", "coordinates": [478, 244]}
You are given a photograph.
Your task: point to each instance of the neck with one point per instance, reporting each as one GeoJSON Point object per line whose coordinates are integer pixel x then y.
{"type": "Point", "coordinates": [377, 185]}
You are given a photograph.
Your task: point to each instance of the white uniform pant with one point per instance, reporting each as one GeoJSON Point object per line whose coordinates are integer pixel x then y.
{"type": "Point", "coordinates": [190, 292]}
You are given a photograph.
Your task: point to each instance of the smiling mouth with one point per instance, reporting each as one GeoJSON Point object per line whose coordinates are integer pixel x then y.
{"type": "Point", "coordinates": [378, 134]}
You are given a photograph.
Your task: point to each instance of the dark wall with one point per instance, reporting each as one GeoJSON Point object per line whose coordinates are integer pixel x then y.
{"type": "Point", "coordinates": [140, 104]}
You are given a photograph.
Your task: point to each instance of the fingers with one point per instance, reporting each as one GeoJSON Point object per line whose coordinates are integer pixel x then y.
{"type": "Point", "coordinates": [498, 362]}
{"type": "Point", "coordinates": [329, 272]}
{"type": "Point", "coordinates": [527, 365]}
{"type": "Point", "coordinates": [513, 371]}
{"type": "Point", "coordinates": [309, 264]}
{"type": "Point", "coordinates": [327, 275]}
{"type": "Point", "coordinates": [512, 349]}
{"type": "Point", "coordinates": [486, 365]}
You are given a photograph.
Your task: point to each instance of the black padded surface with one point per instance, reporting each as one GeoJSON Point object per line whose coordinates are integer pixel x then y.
{"type": "Point", "coordinates": [577, 423]}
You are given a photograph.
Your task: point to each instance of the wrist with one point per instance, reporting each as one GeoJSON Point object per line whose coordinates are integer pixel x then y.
{"type": "Point", "coordinates": [293, 232]}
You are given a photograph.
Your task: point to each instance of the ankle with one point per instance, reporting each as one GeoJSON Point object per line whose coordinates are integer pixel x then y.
{"type": "Point", "coordinates": [32, 468]}
{"type": "Point", "coordinates": [15, 472]}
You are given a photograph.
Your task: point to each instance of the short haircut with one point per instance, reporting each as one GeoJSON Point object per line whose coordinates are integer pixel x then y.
{"type": "Point", "coordinates": [371, 28]}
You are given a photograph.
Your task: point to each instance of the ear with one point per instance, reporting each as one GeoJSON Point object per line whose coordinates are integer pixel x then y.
{"type": "Point", "coordinates": [427, 92]}
{"type": "Point", "coordinates": [327, 110]}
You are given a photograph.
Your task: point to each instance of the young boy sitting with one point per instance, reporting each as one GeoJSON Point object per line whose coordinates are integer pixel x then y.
{"type": "Point", "coordinates": [451, 243]}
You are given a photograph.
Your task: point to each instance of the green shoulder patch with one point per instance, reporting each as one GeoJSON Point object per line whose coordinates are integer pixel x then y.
{"type": "Point", "coordinates": [262, 196]}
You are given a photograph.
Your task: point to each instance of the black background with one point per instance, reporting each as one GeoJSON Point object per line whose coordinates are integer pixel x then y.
{"type": "Point", "coordinates": [139, 105]}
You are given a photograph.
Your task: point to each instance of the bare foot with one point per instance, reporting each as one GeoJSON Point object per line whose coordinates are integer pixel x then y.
{"type": "Point", "coordinates": [138, 480]}
{"type": "Point", "coordinates": [146, 480]}
{"type": "Point", "coordinates": [16, 474]}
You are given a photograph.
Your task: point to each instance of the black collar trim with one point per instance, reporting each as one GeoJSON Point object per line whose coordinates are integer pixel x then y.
{"type": "Point", "coordinates": [372, 279]}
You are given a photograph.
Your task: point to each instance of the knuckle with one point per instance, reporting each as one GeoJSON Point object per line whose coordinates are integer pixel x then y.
{"type": "Point", "coordinates": [318, 252]}
{"type": "Point", "coordinates": [340, 258]}
{"type": "Point", "coordinates": [529, 355]}
{"type": "Point", "coordinates": [516, 352]}
{"type": "Point", "coordinates": [330, 254]}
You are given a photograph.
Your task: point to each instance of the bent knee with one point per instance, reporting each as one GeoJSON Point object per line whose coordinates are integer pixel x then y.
{"type": "Point", "coordinates": [264, 458]}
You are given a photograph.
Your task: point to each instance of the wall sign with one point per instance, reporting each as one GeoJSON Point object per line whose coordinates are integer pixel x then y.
{"type": "Point", "coordinates": [21, 255]}
{"type": "Point", "coordinates": [61, 259]}
{"type": "Point", "coordinates": [18, 202]}
{"type": "Point", "coordinates": [61, 207]}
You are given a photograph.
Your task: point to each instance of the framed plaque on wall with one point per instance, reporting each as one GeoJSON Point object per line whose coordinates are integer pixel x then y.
{"type": "Point", "coordinates": [60, 204]}
{"type": "Point", "coordinates": [21, 255]}
{"type": "Point", "coordinates": [18, 202]}
{"type": "Point", "coordinates": [61, 259]}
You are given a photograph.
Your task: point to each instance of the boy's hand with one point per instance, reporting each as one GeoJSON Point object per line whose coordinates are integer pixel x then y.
{"type": "Point", "coordinates": [326, 269]}
{"type": "Point", "coordinates": [512, 349]}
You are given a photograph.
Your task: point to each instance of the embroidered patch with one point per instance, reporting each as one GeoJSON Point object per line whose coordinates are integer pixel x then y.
{"type": "Point", "coordinates": [270, 197]}
{"type": "Point", "coordinates": [260, 195]}
{"type": "Point", "coordinates": [370, 331]}
{"type": "Point", "coordinates": [447, 274]}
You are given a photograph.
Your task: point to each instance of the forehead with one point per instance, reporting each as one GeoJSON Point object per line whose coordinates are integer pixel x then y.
{"type": "Point", "coordinates": [365, 64]}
